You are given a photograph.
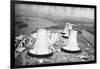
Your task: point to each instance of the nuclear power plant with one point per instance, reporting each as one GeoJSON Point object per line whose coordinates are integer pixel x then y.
{"type": "Point", "coordinates": [53, 34]}
{"type": "Point", "coordinates": [44, 41]}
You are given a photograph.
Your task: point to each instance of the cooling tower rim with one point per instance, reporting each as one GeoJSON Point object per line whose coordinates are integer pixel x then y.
{"type": "Point", "coordinates": [69, 51]}
{"type": "Point", "coordinates": [65, 36]}
{"type": "Point", "coordinates": [39, 55]}
{"type": "Point", "coordinates": [62, 33]}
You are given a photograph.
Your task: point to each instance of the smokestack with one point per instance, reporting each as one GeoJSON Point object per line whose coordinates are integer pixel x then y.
{"type": "Point", "coordinates": [40, 48]}
{"type": "Point", "coordinates": [72, 45]}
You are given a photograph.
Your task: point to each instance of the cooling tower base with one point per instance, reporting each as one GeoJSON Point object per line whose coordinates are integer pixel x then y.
{"type": "Point", "coordinates": [69, 51]}
{"type": "Point", "coordinates": [62, 33]}
{"type": "Point", "coordinates": [39, 56]}
{"type": "Point", "coordinates": [65, 36]}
